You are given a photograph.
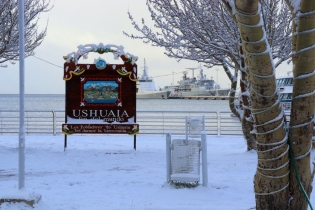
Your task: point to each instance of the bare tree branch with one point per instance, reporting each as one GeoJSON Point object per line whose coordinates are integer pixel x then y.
{"type": "Point", "coordinates": [9, 35]}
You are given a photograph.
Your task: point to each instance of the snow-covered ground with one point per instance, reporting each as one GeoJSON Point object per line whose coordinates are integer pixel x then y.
{"type": "Point", "coordinates": [105, 172]}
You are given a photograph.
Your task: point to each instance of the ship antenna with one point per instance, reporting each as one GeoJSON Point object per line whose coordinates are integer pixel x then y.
{"type": "Point", "coordinates": [193, 69]}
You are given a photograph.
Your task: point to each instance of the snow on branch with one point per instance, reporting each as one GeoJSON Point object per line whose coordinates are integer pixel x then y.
{"type": "Point", "coordinates": [205, 31]}
{"type": "Point", "coordinates": [295, 4]}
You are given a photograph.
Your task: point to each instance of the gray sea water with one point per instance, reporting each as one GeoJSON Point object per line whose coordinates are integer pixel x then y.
{"type": "Point", "coordinates": [57, 102]}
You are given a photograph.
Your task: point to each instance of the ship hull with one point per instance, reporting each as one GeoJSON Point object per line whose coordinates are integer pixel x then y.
{"type": "Point", "coordinates": [202, 92]}
{"type": "Point", "coordinates": [219, 92]}
{"type": "Point", "coordinates": [195, 92]}
{"type": "Point", "coordinates": [153, 95]}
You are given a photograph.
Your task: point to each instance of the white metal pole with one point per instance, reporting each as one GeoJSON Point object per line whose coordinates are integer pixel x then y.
{"type": "Point", "coordinates": [168, 157]}
{"type": "Point", "coordinates": [22, 95]}
{"type": "Point", "coordinates": [218, 123]}
{"type": "Point", "coordinates": [54, 122]}
{"type": "Point", "coordinates": [186, 126]}
{"type": "Point", "coordinates": [204, 158]}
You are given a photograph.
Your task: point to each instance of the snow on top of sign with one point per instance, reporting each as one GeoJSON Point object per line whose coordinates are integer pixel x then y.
{"type": "Point", "coordinates": [84, 50]}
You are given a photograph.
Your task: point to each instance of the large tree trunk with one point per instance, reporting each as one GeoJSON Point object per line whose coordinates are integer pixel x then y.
{"type": "Point", "coordinates": [272, 177]}
{"type": "Point", "coordinates": [303, 103]}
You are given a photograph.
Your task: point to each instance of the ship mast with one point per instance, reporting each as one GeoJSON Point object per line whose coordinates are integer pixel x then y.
{"type": "Point", "coordinates": [145, 75]}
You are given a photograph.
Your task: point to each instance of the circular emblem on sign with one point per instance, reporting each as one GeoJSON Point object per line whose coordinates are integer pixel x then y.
{"type": "Point", "coordinates": [100, 63]}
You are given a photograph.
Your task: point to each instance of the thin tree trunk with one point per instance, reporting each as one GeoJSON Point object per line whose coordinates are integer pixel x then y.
{"type": "Point", "coordinates": [272, 176]}
{"type": "Point", "coordinates": [247, 123]}
{"type": "Point", "coordinates": [232, 99]}
{"type": "Point", "coordinates": [303, 104]}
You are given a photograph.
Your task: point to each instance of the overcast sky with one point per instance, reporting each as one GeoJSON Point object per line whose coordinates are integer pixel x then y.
{"type": "Point", "coordinates": [71, 23]}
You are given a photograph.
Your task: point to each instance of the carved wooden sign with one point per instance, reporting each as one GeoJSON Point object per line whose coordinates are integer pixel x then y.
{"type": "Point", "coordinates": [100, 97]}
